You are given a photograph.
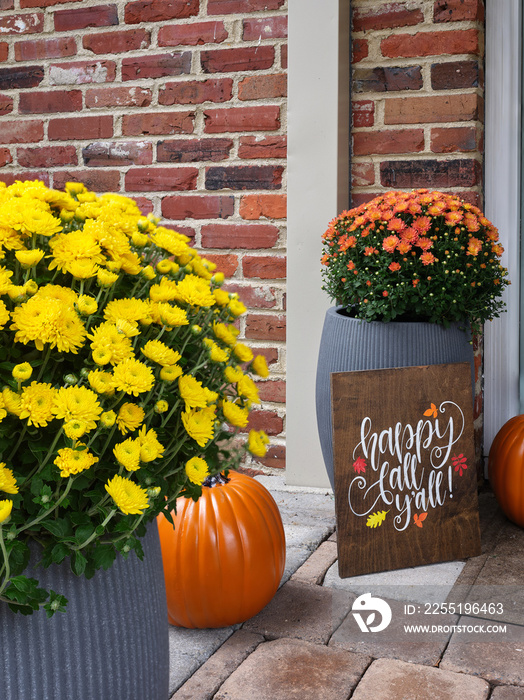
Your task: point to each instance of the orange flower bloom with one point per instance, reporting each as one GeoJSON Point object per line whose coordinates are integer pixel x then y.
{"type": "Point", "coordinates": [427, 258]}
{"type": "Point", "coordinates": [394, 266]}
{"type": "Point", "coordinates": [390, 243]}
{"type": "Point", "coordinates": [474, 246]}
{"type": "Point", "coordinates": [422, 224]}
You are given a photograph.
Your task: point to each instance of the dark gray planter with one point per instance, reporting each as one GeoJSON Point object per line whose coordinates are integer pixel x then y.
{"type": "Point", "coordinates": [349, 344]}
{"type": "Point", "coordinates": [111, 644]}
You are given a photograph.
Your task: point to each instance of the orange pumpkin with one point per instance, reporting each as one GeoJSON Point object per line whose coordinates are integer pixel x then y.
{"type": "Point", "coordinates": [225, 558]}
{"type": "Point", "coordinates": [506, 469]}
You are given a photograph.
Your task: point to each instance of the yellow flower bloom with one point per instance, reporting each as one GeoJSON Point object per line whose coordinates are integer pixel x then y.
{"type": "Point", "coordinates": [216, 353]}
{"type": "Point", "coordinates": [22, 372]}
{"type": "Point", "coordinates": [102, 356]}
{"type": "Point", "coordinates": [233, 374]}
{"type": "Point", "coordinates": [167, 315]}
{"type": "Point", "coordinates": [37, 403]}
{"type": "Point", "coordinates": [260, 367]}
{"type": "Point", "coordinates": [106, 278]}
{"type": "Point", "coordinates": [170, 373]}
{"type": "Point", "coordinates": [87, 305]}
{"type": "Point", "coordinates": [148, 272]}
{"type": "Point", "coordinates": [164, 266]}
{"type": "Point", "coordinates": [77, 252]}
{"type": "Point", "coordinates": [194, 393]}
{"type": "Point", "coordinates": [128, 454]}
{"type": "Point", "coordinates": [5, 280]}
{"type": "Point", "coordinates": [108, 419]}
{"type": "Point", "coordinates": [235, 414]}
{"type": "Point", "coordinates": [161, 406]}
{"type": "Point", "coordinates": [172, 241]}
{"type": "Point", "coordinates": [195, 291]}
{"type": "Point", "coordinates": [77, 403]}
{"type": "Point", "coordinates": [197, 470]}
{"type": "Point", "coordinates": [243, 352]}
{"type": "Point", "coordinates": [165, 291]}
{"type": "Point", "coordinates": [257, 441]}
{"type": "Point", "coordinates": [101, 382]}
{"type": "Point", "coordinates": [116, 346]}
{"type": "Point", "coordinates": [227, 334]}
{"type": "Point", "coordinates": [11, 400]}
{"type": "Point", "coordinates": [129, 417]}
{"type": "Point", "coordinates": [160, 353]}
{"type": "Point", "coordinates": [133, 310]}
{"type": "Point", "coordinates": [5, 511]}
{"type": "Point", "coordinates": [129, 497]}
{"type": "Point", "coordinates": [73, 461]}
{"type": "Point", "coordinates": [75, 428]}
{"type": "Point", "coordinates": [247, 387]}
{"type": "Point", "coordinates": [29, 258]}
{"type": "Point", "coordinates": [150, 447]}
{"type": "Point", "coordinates": [7, 480]}
{"type": "Point", "coordinates": [236, 307]}
{"type": "Point", "coordinates": [221, 297]}
{"type": "Point", "coordinates": [133, 377]}
{"type": "Point", "coordinates": [200, 424]}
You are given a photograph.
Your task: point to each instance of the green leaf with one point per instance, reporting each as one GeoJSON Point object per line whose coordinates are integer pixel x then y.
{"type": "Point", "coordinates": [83, 533]}
{"type": "Point", "coordinates": [78, 563]}
{"type": "Point", "coordinates": [57, 603]}
{"type": "Point", "coordinates": [59, 528]}
{"type": "Point", "coordinates": [104, 556]}
{"type": "Point", "coordinates": [59, 552]}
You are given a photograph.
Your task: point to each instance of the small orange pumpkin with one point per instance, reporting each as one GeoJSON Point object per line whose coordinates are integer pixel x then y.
{"type": "Point", "coordinates": [225, 558]}
{"type": "Point", "coordinates": [506, 469]}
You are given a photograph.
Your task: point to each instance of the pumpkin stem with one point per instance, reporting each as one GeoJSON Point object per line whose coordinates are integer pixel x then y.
{"type": "Point", "coordinates": [216, 480]}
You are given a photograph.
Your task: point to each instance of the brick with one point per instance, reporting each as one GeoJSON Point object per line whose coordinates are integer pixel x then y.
{"type": "Point", "coordinates": [457, 138]}
{"type": "Point", "coordinates": [158, 66]}
{"type": "Point", "coordinates": [145, 205]}
{"type": "Point", "coordinates": [42, 3]}
{"type": "Point", "coordinates": [362, 174]}
{"type": "Point", "coordinates": [71, 128]}
{"type": "Point", "coordinates": [458, 10]}
{"type": "Point", "coordinates": [45, 48]}
{"type": "Point", "coordinates": [256, 29]}
{"type": "Point", "coordinates": [4, 51]}
{"type": "Point", "coordinates": [275, 457]}
{"type": "Point", "coordinates": [259, 297]}
{"type": "Point", "coordinates": [433, 108]}
{"type": "Point", "coordinates": [263, 147]}
{"type": "Point", "coordinates": [50, 102]}
{"type": "Point", "coordinates": [314, 569]}
{"type": "Point", "coordinates": [430, 173]}
{"type": "Point", "coordinates": [225, 7]}
{"type": "Point", "coordinates": [283, 56]}
{"type": "Point", "coordinates": [193, 151]}
{"type": "Point", "coordinates": [6, 105]}
{"type": "Point", "coordinates": [5, 157]}
{"type": "Point", "coordinates": [7, 4]}
{"type": "Point", "coordinates": [233, 119]}
{"type": "Point", "coordinates": [259, 87]}
{"type": "Point", "coordinates": [80, 73]}
{"type": "Point", "coordinates": [247, 58]}
{"type": "Point", "coordinates": [431, 43]}
{"type": "Point", "coordinates": [391, 141]}
{"type": "Point", "coordinates": [20, 175]}
{"type": "Point", "coordinates": [244, 177]}
{"type": "Point", "coordinates": [117, 42]}
{"type": "Point", "coordinates": [454, 75]}
{"type": "Point", "coordinates": [21, 77]}
{"type": "Point", "coordinates": [158, 123]}
{"type": "Point", "coordinates": [47, 156]}
{"type": "Point", "coordinates": [160, 179]}
{"type": "Point", "coordinates": [118, 97]}
{"type": "Point", "coordinates": [273, 391]}
{"type": "Point", "coordinates": [96, 180]}
{"type": "Point", "coordinates": [84, 17]}
{"type": "Point", "coordinates": [20, 131]}
{"type": "Point", "coordinates": [380, 79]}
{"type": "Point", "coordinates": [359, 50]}
{"type": "Point", "coordinates": [269, 267]}
{"type": "Point", "coordinates": [225, 262]}
{"type": "Point", "coordinates": [268, 421]}
{"type": "Point", "coordinates": [196, 206]}
{"type": "Point", "coordinates": [196, 91]}
{"type": "Point", "coordinates": [256, 206]}
{"type": "Point", "coordinates": [265, 327]}
{"type": "Point", "coordinates": [194, 34]}
{"type": "Point", "coordinates": [386, 16]}
{"type": "Point", "coordinates": [363, 113]}
{"type": "Point", "coordinates": [117, 153]}
{"type": "Point", "coordinates": [235, 236]}
{"type": "Point", "coordinates": [159, 10]}
{"type": "Point", "coordinates": [31, 23]}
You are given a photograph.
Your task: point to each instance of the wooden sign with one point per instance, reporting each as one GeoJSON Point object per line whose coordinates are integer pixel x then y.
{"type": "Point", "coordinates": [405, 477]}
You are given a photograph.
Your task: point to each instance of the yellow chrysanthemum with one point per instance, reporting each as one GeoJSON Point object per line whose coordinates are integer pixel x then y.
{"type": "Point", "coordinates": [7, 480]}
{"type": "Point", "coordinates": [11, 400]}
{"type": "Point", "coordinates": [194, 393]}
{"type": "Point", "coordinates": [133, 377]}
{"type": "Point", "coordinates": [77, 252]}
{"type": "Point", "coordinates": [87, 305]}
{"type": "Point", "coordinates": [175, 243]}
{"type": "Point", "coordinates": [164, 266]}
{"type": "Point", "coordinates": [227, 334]}
{"type": "Point", "coordinates": [101, 382]}
{"type": "Point", "coordinates": [200, 424]}
{"type": "Point", "coordinates": [73, 461]}
{"type": "Point", "coordinates": [75, 428]}
{"type": "Point", "coordinates": [22, 372]}
{"type": "Point", "coordinates": [165, 314]}
{"type": "Point", "coordinates": [129, 497]}
{"type": "Point", "coordinates": [221, 297]}
{"type": "Point", "coordinates": [235, 414]}
{"type": "Point", "coordinates": [247, 387]}
{"type": "Point", "coordinates": [259, 366]}
{"type": "Point", "coordinates": [5, 510]}
{"type": "Point", "coordinates": [106, 278]}
{"type": "Point", "coordinates": [216, 353]}
{"type": "Point", "coordinates": [243, 352]}
{"type": "Point", "coordinates": [108, 419]}
{"type": "Point", "coordinates": [116, 346]}
{"type": "Point", "coordinates": [170, 373]}
{"type": "Point", "coordinates": [130, 417]}
{"type": "Point", "coordinates": [127, 454]}
{"type": "Point", "coordinates": [233, 374]}
{"type": "Point", "coordinates": [257, 441]}
{"type": "Point", "coordinates": [195, 291]}
{"type": "Point", "coordinates": [150, 447]}
{"type": "Point", "coordinates": [197, 470]}
{"type": "Point", "coordinates": [159, 352]}
{"type": "Point", "coordinates": [166, 290]}
{"type": "Point", "coordinates": [161, 406]}
{"type": "Point", "coordinates": [29, 258]}
{"type": "Point", "coordinates": [5, 280]}
{"type": "Point", "coordinates": [236, 307]}
{"type": "Point", "coordinates": [37, 403]}
{"type": "Point", "coordinates": [77, 403]}
{"type": "Point", "coordinates": [133, 310]}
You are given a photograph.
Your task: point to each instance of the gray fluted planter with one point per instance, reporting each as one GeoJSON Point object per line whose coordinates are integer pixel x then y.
{"type": "Point", "coordinates": [349, 344]}
{"type": "Point", "coordinates": [111, 644]}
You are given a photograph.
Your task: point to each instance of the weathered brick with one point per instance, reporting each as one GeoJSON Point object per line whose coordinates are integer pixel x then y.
{"type": "Point", "coordinates": [431, 43]}
{"type": "Point", "coordinates": [232, 119]}
{"type": "Point", "coordinates": [84, 17]}
{"type": "Point", "coordinates": [259, 297]}
{"type": "Point", "coordinates": [96, 180]}
{"type": "Point", "coordinates": [263, 147]}
{"type": "Point", "coordinates": [31, 23]}
{"type": "Point", "coordinates": [272, 390]}
{"type": "Point", "coordinates": [265, 327]}
{"type": "Point", "coordinates": [235, 236]}
{"type": "Point", "coordinates": [4, 51]}
{"type": "Point", "coordinates": [193, 151]}
{"type": "Point", "coordinates": [158, 123]}
{"type": "Point", "coordinates": [13, 175]}
{"type": "Point", "coordinates": [145, 205]}
{"type": "Point", "coordinates": [82, 72]}
{"type": "Point", "coordinates": [271, 354]}
{"type": "Point", "coordinates": [247, 58]}
{"type": "Point", "coordinates": [196, 91]}
{"type": "Point", "coordinates": [40, 3]}
{"type": "Point", "coordinates": [194, 34]}
{"type": "Point", "coordinates": [259, 87]}
{"type": "Point", "coordinates": [20, 131]}
{"type": "Point", "coordinates": [385, 16]}
{"type": "Point", "coordinates": [20, 77]}
{"type": "Point", "coordinates": [363, 113]}
{"type": "Point", "coordinates": [433, 108]}
{"type": "Point", "coordinates": [117, 153]}
{"type": "Point", "coordinates": [118, 41]}
{"type": "Point", "coordinates": [159, 66]}
{"type": "Point", "coordinates": [6, 106]}
{"type": "Point", "coordinates": [388, 141]}
{"type": "Point", "coordinates": [270, 206]}
{"type": "Point", "coordinates": [159, 10]}
{"type": "Point", "coordinates": [226, 7]}
{"type": "Point", "coordinates": [268, 421]}
{"type": "Point", "coordinates": [244, 177]}
{"type": "Point", "coordinates": [267, 267]}
{"type": "Point", "coordinates": [455, 138]}
{"type": "Point", "coordinates": [454, 75]}
{"type": "Point", "coordinates": [71, 128]}
{"type": "Point", "coordinates": [362, 174]}
{"type": "Point", "coordinates": [118, 97]}
{"type": "Point", "coordinates": [47, 156]}
{"type": "Point", "coordinates": [458, 10]}
{"type": "Point", "coordinates": [197, 206]}
{"type": "Point", "coordinates": [430, 173]}
{"type": "Point", "coordinates": [160, 179]}
{"type": "Point", "coordinates": [283, 56]}
{"type": "Point", "coordinates": [255, 29]}
{"type": "Point", "coordinates": [7, 4]}
{"type": "Point", "coordinates": [359, 50]}
{"type": "Point", "coordinates": [225, 262]}
{"type": "Point", "coordinates": [275, 457]}
{"type": "Point", "coordinates": [386, 79]}
{"type": "Point", "coordinates": [45, 102]}
{"type": "Point", "coordinates": [5, 157]}
{"type": "Point", "coordinates": [45, 48]}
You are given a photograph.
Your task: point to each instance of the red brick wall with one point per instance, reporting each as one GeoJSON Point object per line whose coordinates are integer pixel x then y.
{"type": "Point", "coordinates": [181, 105]}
